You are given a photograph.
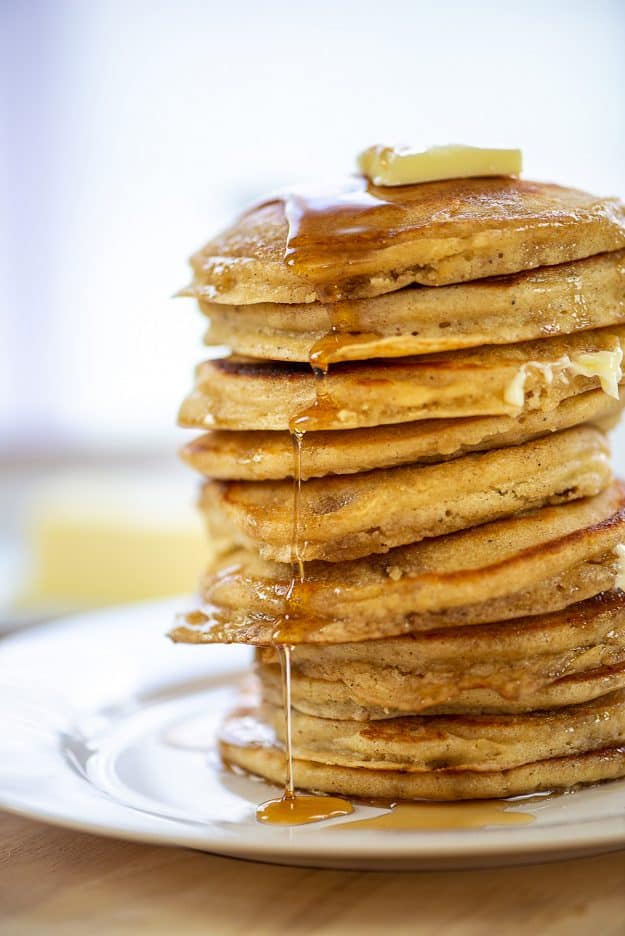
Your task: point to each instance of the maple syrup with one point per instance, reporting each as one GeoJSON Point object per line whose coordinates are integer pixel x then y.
{"type": "Point", "coordinates": [345, 332]}
{"type": "Point", "coordinates": [340, 221]}
{"type": "Point", "coordinates": [421, 816]}
{"type": "Point", "coordinates": [335, 231]}
{"type": "Point", "coordinates": [295, 808]}
{"type": "Point", "coordinates": [328, 348]}
{"type": "Point", "coordinates": [302, 808]}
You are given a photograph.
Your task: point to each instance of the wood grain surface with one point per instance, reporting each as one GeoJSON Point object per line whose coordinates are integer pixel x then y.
{"type": "Point", "coordinates": [54, 881]}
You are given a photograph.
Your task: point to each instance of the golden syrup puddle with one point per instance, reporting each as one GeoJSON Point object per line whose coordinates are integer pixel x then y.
{"type": "Point", "coordinates": [421, 816]}
{"type": "Point", "coordinates": [302, 808]}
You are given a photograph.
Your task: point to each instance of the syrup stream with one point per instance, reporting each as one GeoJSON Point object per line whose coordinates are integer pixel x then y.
{"type": "Point", "coordinates": [295, 808]}
{"type": "Point", "coordinates": [285, 665]}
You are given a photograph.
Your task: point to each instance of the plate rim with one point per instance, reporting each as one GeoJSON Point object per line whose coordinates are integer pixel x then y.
{"type": "Point", "coordinates": [598, 834]}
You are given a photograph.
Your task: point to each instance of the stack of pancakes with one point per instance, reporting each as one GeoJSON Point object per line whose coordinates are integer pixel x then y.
{"type": "Point", "coordinates": [447, 566]}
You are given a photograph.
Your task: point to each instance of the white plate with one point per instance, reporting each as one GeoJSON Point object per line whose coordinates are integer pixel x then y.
{"type": "Point", "coordinates": [105, 726]}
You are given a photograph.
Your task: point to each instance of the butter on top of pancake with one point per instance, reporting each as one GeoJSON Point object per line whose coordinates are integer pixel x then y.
{"type": "Point", "coordinates": [406, 165]}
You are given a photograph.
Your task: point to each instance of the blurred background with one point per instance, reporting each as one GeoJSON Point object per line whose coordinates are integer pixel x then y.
{"type": "Point", "coordinates": [135, 129]}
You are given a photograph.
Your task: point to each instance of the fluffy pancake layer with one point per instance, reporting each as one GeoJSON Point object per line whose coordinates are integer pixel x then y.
{"type": "Point", "coordinates": [234, 393]}
{"type": "Point", "coordinates": [346, 517]}
{"type": "Point", "coordinates": [268, 456]}
{"type": "Point", "coordinates": [247, 742]}
{"type": "Point", "coordinates": [513, 659]}
{"type": "Point", "coordinates": [420, 320]}
{"type": "Point", "coordinates": [514, 666]}
{"type": "Point", "coordinates": [435, 233]}
{"type": "Point", "coordinates": [459, 742]}
{"type": "Point", "coordinates": [525, 565]}
{"type": "Point", "coordinates": [326, 699]}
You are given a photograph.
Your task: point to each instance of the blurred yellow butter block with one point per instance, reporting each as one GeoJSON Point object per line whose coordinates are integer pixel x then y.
{"type": "Point", "coordinates": [109, 540]}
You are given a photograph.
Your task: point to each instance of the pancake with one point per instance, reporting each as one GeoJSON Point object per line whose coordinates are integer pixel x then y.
{"type": "Point", "coordinates": [268, 456]}
{"type": "Point", "coordinates": [215, 624]}
{"type": "Point", "coordinates": [235, 393]}
{"type": "Point", "coordinates": [334, 699]}
{"type": "Point", "coordinates": [246, 742]}
{"type": "Point", "coordinates": [420, 320]}
{"type": "Point", "coordinates": [346, 517]}
{"type": "Point", "coordinates": [456, 742]}
{"type": "Point", "coordinates": [377, 241]}
{"type": "Point", "coordinates": [513, 661]}
{"type": "Point", "coordinates": [524, 565]}
{"type": "Point", "coordinates": [567, 632]}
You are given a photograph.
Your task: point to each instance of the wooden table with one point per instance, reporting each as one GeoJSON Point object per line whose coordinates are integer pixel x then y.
{"type": "Point", "coordinates": [57, 882]}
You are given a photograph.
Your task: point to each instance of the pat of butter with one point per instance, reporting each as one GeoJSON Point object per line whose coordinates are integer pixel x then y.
{"type": "Point", "coordinates": [619, 552]}
{"type": "Point", "coordinates": [606, 365]}
{"type": "Point", "coordinates": [404, 165]}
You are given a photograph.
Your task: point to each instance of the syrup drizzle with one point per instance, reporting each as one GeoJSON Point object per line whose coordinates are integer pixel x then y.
{"type": "Point", "coordinates": [296, 808]}
{"type": "Point", "coordinates": [336, 231]}
{"type": "Point", "coordinates": [344, 219]}
{"type": "Point", "coordinates": [285, 666]}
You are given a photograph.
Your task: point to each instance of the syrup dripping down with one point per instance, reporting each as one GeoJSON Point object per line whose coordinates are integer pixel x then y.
{"type": "Point", "coordinates": [297, 808]}
{"type": "Point", "coordinates": [294, 808]}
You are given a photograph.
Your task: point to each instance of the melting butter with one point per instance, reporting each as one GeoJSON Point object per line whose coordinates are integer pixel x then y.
{"type": "Point", "coordinates": [606, 365]}
{"type": "Point", "coordinates": [514, 393]}
{"type": "Point", "coordinates": [406, 165]}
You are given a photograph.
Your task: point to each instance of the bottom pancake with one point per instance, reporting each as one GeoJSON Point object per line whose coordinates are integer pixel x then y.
{"type": "Point", "coordinates": [558, 773]}
{"type": "Point", "coordinates": [249, 743]}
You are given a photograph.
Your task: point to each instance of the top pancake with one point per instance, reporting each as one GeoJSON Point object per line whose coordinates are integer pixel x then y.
{"type": "Point", "coordinates": [366, 242]}
{"type": "Point", "coordinates": [533, 304]}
